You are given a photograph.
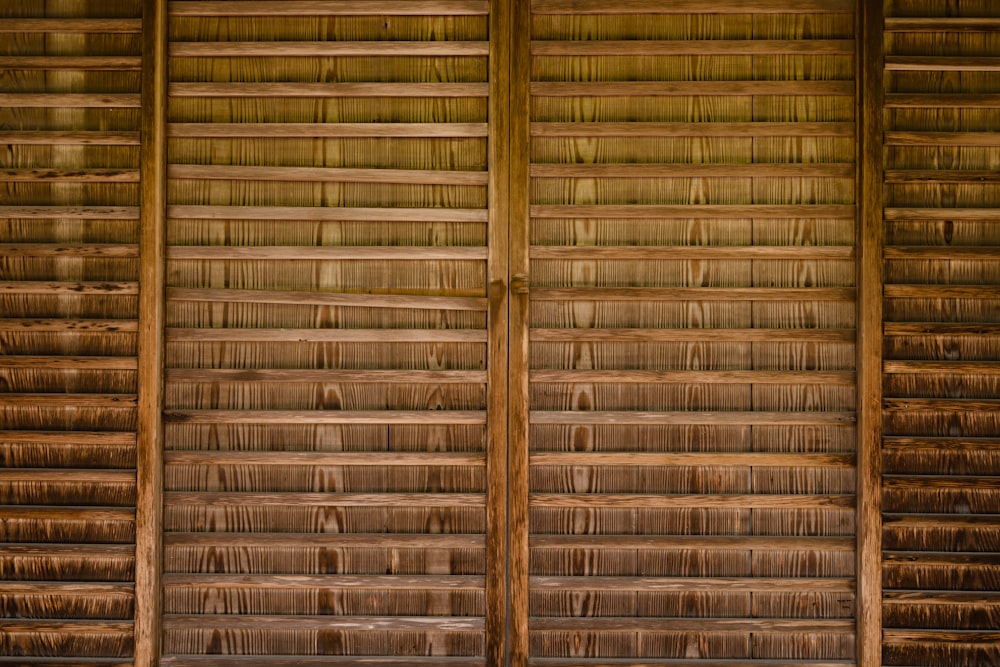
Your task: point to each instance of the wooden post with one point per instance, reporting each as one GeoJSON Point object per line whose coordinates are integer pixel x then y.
{"type": "Point", "coordinates": [520, 138]}
{"type": "Point", "coordinates": [152, 271]}
{"type": "Point", "coordinates": [869, 345]}
{"type": "Point", "coordinates": [498, 323]}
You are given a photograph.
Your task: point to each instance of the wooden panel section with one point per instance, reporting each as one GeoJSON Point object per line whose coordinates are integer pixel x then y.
{"type": "Point", "coordinates": [69, 176]}
{"type": "Point", "coordinates": [326, 410]}
{"type": "Point", "coordinates": [941, 536]}
{"type": "Point", "coordinates": [692, 359]}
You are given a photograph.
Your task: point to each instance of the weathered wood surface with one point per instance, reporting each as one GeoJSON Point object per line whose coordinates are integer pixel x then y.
{"type": "Point", "coordinates": [941, 538]}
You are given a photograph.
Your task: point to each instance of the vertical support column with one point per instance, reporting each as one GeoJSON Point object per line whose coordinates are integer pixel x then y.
{"type": "Point", "coordinates": [152, 269]}
{"type": "Point", "coordinates": [520, 156]}
{"type": "Point", "coordinates": [498, 324]}
{"type": "Point", "coordinates": [869, 346]}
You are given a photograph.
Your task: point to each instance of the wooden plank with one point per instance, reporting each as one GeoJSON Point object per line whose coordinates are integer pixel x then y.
{"type": "Point", "coordinates": [941, 24]}
{"type": "Point", "coordinates": [673, 662]}
{"type": "Point", "coordinates": [323, 416]}
{"type": "Point", "coordinates": [326, 90]}
{"type": "Point", "coordinates": [71, 63]}
{"type": "Point", "coordinates": [71, 25]}
{"type": "Point", "coordinates": [292, 582]}
{"type": "Point", "coordinates": [694, 542]}
{"type": "Point", "coordinates": [899, 176]}
{"type": "Point", "coordinates": [691, 47]}
{"type": "Point", "coordinates": [942, 101]}
{"type": "Point", "coordinates": [941, 636]}
{"type": "Point", "coordinates": [318, 458]}
{"type": "Point", "coordinates": [61, 513]}
{"type": "Point", "coordinates": [713, 129]}
{"type": "Point", "coordinates": [700, 211]}
{"type": "Point", "coordinates": [707, 625]}
{"type": "Point", "coordinates": [217, 499]}
{"type": "Point", "coordinates": [67, 626]}
{"type": "Point", "coordinates": [326, 540]}
{"type": "Point", "coordinates": [693, 293]}
{"type": "Point", "coordinates": [699, 170]}
{"type": "Point", "coordinates": [100, 250]}
{"type": "Point", "coordinates": [691, 88]}
{"type": "Point", "coordinates": [625, 376]}
{"type": "Point", "coordinates": [70, 212]}
{"type": "Point", "coordinates": [329, 622]}
{"type": "Point", "coordinates": [70, 138]}
{"type": "Point", "coordinates": [113, 438]}
{"type": "Point", "coordinates": [326, 49]}
{"type": "Point", "coordinates": [778, 459]}
{"type": "Point", "coordinates": [324, 376]}
{"type": "Point", "coordinates": [69, 288]}
{"type": "Point", "coordinates": [358, 300]}
{"type": "Point", "coordinates": [920, 367]}
{"type": "Point", "coordinates": [325, 130]}
{"type": "Point", "coordinates": [954, 405]}
{"type": "Point", "coordinates": [299, 253]}
{"type": "Point", "coordinates": [69, 363]}
{"type": "Point", "coordinates": [692, 252]}
{"type": "Point", "coordinates": [941, 329]}
{"type": "Point", "coordinates": [691, 417]}
{"type": "Point", "coordinates": [327, 175]}
{"type": "Point", "coordinates": [942, 138]}
{"type": "Point", "coordinates": [324, 660]}
{"type": "Point", "coordinates": [942, 443]}
{"type": "Point", "coordinates": [942, 291]}
{"type": "Point", "coordinates": [72, 100]}
{"type": "Point", "coordinates": [84, 326]}
{"type": "Point", "coordinates": [692, 7]}
{"type": "Point", "coordinates": [688, 584]}
{"type": "Point", "coordinates": [371, 336]}
{"type": "Point", "coordinates": [322, 213]}
{"type": "Point", "coordinates": [684, 500]}
{"type": "Point", "coordinates": [966, 253]}
{"type": "Point", "coordinates": [299, 8]}
{"type": "Point", "coordinates": [69, 175]}
{"type": "Point", "coordinates": [694, 334]}
{"type": "Point", "coordinates": [942, 64]}
{"type": "Point", "coordinates": [68, 588]}
{"type": "Point", "coordinates": [937, 482]}
{"type": "Point", "coordinates": [67, 476]}
{"type": "Point", "coordinates": [69, 401]}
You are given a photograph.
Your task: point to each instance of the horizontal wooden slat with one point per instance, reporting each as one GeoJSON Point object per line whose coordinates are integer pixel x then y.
{"type": "Point", "coordinates": [72, 100]}
{"type": "Point", "coordinates": [942, 404]}
{"type": "Point", "coordinates": [325, 376]}
{"type": "Point", "coordinates": [67, 476]}
{"type": "Point", "coordinates": [89, 551]}
{"type": "Point", "coordinates": [330, 622]}
{"type": "Point", "coordinates": [691, 7]}
{"type": "Point", "coordinates": [691, 47]}
{"type": "Point", "coordinates": [662, 501]}
{"type": "Point", "coordinates": [900, 176]}
{"type": "Point", "coordinates": [897, 520]}
{"type": "Point", "coordinates": [958, 367]}
{"type": "Point", "coordinates": [675, 662]}
{"type": "Point", "coordinates": [70, 63]}
{"type": "Point", "coordinates": [325, 130]}
{"type": "Point", "coordinates": [941, 64]}
{"type": "Point", "coordinates": [69, 175]}
{"type": "Point", "coordinates": [690, 88]}
{"type": "Point", "coordinates": [950, 598]}
{"type": "Point", "coordinates": [300, 8]}
{"type": "Point", "coordinates": [693, 334]}
{"type": "Point", "coordinates": [777, 459]}
{"type": "Point", "coordinates": [942, 100]}
{"type": "Point", "coordinates": [70, 138]}
{"type": "Point", "coordinates": [70, 212]}
{"type": "Point", "coordinates": [941, 24]}
{"type": "Point", "coordinates": [73, 25]}
{"type": "Point", "coordinates": [322, 213]}
{"type": "Point", "coordinates": [68, 438]}
{"type": "Point", "coordinates": [323, 582]}
{"type": "Point", "coordinates": [686, 584]}
{"type": "Point", "coordinates": [325, 661]}
{"type": "Point", "coordinates": [68, 626]}
{"type": "Point", "coordinates": [693, 293]}
{"type": "Point", "coordinates": [52, 513]}
{"type": "Point", "coordinates": [321, 458]}
{"type": "Point", "coordinates": [941, 443]}
{"type": "Point", "coordinates": [691, 417]}
{"type": "Point", "coordinates": [707, 625]}
{"type": "Point", "coordinates": [942, 291]}
{"type": "Point", "coordinates": [68, 588]}
{"type": "Point", "coordinates": [327, 90]}
{"type": "Point", "coordinates": [842, 378]}
{"type": "Point", "coordinates": [939, 482]}
{"type": "Point", "coordinates": [46, 326]}
{"type": "Point", "coordinates": [179, 498]}
{"type": "Point", "coordinates": [941, 329]}
{"type": "Point", "coordinates": [325, 416]}
{"type": "Point", "coordinates": [719, 129]}
{"type": "Point", "coordinates": [357, 300]}
{"type": "Point", "coordinates": [413, 253]}
{"type": "Point", "coordinates": [940, 636]}
{"type": "Point", "coordinates": [700, 211]}
{"type": "Point", "coordinates": [69, 363]}
{"type": "Point", "coordinates": [943, 252]}
{"type": "Point", "coordinates": [370, 336]}
{"type": "Point", "coordinates": [327, 174]}
{"type": "Point", "coordinates": [699, 170]}
{"type": "Point", "coordinates": [326, 540]}
{"type": "Point", "coordinates": [942, 138]}
{"type": "Point", "coordinates": [692, 252]}
{"type": "Point", "coordinates": [69, 401]}
{"type": "Point", "coordinates": [102, 250]}
{"type": "Point", "coordinates": [78, 288]}
{"type": "Point", "coordinates": [319, 49]}
{"type": "Point", "coordinates": [693, 542]}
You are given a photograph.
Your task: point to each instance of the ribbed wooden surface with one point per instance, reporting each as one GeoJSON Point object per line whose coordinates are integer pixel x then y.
{"type": "Point", "coordinates": [942, 347]}
{"type": "Point", "coordinates": [68, 309]}
{"type": "Point", "coordinates": [692, 333]}
{"type": "Point", "coordinates": [326, 338]}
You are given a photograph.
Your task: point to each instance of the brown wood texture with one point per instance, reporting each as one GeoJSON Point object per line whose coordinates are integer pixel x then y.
{"type": "Point", "coordinates": [335, 450]}
{"type": "Point", "coordinates": [690, 265]}
{"type": "Point", "coordinates": [941, 540]}
{"type": "Point", "coordinates": [68, 330]}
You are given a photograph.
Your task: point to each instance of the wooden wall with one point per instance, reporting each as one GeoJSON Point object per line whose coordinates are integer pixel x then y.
{"type": "Point", "coordinates": [665, 194]}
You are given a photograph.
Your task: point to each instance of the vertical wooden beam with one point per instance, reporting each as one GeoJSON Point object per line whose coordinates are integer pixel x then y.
{"type": "Point", "coordinates": [152, 271]}
{"type": "Point", "coordinates": [498, 323]}
{"type": "Point", "coordinates": [869, 347]}
{"type": "Point", "coordinates": [520, 138]}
